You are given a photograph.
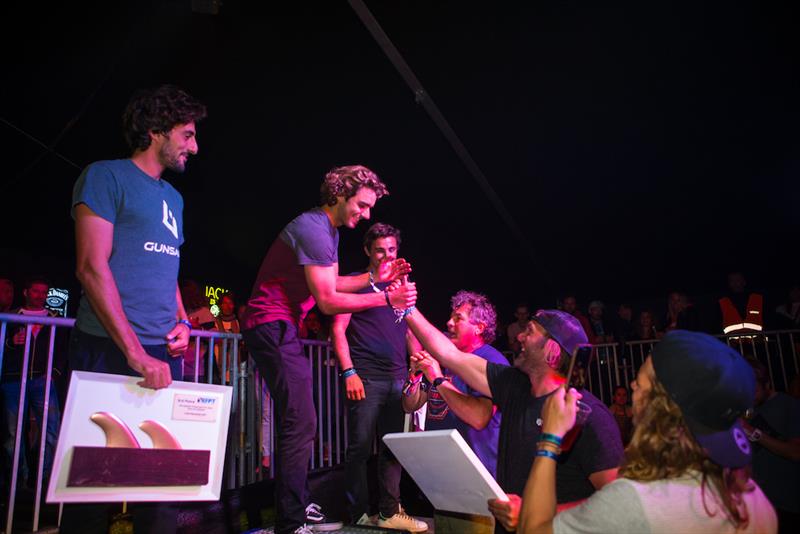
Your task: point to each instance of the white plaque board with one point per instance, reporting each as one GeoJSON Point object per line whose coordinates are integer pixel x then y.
{"type": "Point", "coordinates": [200, 425]}
{"type": "Point", "coordinates": [446, 469]}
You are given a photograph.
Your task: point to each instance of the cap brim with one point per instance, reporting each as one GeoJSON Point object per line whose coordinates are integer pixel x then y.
{"type": "Point", "coordinates": [728, 448]}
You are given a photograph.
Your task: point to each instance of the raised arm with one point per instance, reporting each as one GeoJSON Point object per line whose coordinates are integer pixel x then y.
{"type": "Point", "coordinates": [322, 281]}
{"type": "Point", "coordinates": [475, 411]}
{"type": "Point", "coordinates": [387, 272]}
{"type": "Point", "coordinates": [471, 368]}
{"type": "Point", "coordinates": [93, 242]}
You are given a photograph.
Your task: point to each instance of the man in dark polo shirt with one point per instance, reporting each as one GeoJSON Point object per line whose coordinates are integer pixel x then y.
{"type": "Point", "coordinates": [372, 348]}
{"type": "Point", "coordinates": [300, 269]}
{"type": "Point", "coordinates": [519, 393]}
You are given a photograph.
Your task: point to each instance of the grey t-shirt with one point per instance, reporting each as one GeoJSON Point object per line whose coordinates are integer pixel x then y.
{"type": "Point", "coordinates": [147, 215]}
{"type": "Point", "coordinates": [662, 506]}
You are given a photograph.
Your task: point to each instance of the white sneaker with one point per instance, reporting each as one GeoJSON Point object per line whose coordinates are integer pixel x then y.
{"type": "Point", "coordinates": [402, 521]}
{"type": "Point", "coordinates": [316, 520]}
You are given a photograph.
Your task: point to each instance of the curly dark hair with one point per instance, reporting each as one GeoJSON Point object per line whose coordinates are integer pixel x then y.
{"type": "Point", "coordinates": [379, 230]}
{"type": "Point", "coordinates": [346, 181]}
{"type": "Point", "coordinates": [158, 110]}
{"type": "Point", "coordinates": [481, 311]}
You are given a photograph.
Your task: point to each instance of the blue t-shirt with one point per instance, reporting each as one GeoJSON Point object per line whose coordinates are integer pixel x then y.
{"type": "Point", "coordinates": [147, 215]}
{"type": "Point", "coordinates": [280, 292]}
{"type": "Point", "coordinates": [377, 342]}
{"type": "Point", "coordinates": [440, 417]}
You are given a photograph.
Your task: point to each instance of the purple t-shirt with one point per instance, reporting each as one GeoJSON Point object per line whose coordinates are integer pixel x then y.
{"type": "Point", "coordinates": [440, 417]}
{"type": "Point", "coordinates": [280, 292]}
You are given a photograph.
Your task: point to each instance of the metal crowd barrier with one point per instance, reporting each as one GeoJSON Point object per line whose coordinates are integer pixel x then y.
{"type": "Point", "coordinates": [616, 364]}
{"type": "Point", "coordinates": [251, 430]}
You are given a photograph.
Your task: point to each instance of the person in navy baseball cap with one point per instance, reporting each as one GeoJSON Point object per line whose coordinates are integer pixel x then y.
{"type": "Point", "coordinates": [714, 387]}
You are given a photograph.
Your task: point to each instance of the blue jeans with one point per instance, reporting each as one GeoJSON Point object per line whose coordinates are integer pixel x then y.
{"type": "Point", "coordinates": [34, 398]}
{"type": "Point", "coordinates": [380, 412]}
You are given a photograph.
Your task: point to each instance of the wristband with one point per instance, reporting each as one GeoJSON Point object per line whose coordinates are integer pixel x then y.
{"type": "Point", "coordinates": [548, 445]}
{"type": "Point", "coordinates": [350, 371]}
{"type": "Point", "coordinates": [552, 438]}
{"type": "Point", "coordinates": [547, 454]}
{"type": "Point", "coordinates": [388, 302]}
{"type": "Point", "coordinates": [438, 381]}
{"type": "Point", "coordinates": [186, 323]}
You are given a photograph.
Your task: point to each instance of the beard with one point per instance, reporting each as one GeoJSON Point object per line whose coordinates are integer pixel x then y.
{"type": "Point", "coordinates": [171, 159]}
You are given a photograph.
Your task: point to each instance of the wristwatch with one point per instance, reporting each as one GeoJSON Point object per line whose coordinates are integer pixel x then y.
{"type": "Point", "coordinates": [438, 381]}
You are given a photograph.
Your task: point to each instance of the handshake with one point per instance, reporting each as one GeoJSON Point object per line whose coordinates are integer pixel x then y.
{"type": "Point", "coordinates": [401, 295]}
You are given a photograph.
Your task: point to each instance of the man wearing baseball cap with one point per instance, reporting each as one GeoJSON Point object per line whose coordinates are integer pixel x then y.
{"type": "Point", "coordinates": [685, 468]}
{"type": "Point", "coordinates": [520, 392]}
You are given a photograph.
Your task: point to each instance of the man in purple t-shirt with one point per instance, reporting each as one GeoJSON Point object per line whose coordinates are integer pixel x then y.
{"type": "Point", "coordinates": [301, 268]}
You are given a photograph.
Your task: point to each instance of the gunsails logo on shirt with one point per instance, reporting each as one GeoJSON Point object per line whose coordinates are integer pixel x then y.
{"type": "Point", "coordinates": [171, 223]}
{"type": "Point", "coordinates": [169, 220]}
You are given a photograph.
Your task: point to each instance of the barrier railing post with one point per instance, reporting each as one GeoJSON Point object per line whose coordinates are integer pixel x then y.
{"type": "Point", "coordinates": [44, 428]}
{"type": "Point", "coordinates": [23, 383]}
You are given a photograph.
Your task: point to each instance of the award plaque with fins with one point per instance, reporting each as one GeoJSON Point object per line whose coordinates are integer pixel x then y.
{"type": "Point", "coordinates": [122, 442]}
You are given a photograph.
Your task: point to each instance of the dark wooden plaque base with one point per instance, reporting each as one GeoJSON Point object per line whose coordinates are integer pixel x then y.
{"type": "Point", "coordinates": [122, 467]}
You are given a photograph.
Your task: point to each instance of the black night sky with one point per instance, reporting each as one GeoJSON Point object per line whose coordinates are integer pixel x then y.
{"type": "Point", "coordinates": [638, 147]}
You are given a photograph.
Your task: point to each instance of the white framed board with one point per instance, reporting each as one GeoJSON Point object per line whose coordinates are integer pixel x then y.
{"type": "Point", "coordinates": [446, 469]}
{"type": "Point", "coordinates": [196, 415]}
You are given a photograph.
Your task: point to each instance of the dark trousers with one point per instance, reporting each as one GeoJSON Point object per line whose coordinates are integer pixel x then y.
{"type": "Point", "coordinates": [380, 411]}
{"type": "Point", "coordinates": [101, 355]}
{"type": "Point", "coordinates": [276, 350]}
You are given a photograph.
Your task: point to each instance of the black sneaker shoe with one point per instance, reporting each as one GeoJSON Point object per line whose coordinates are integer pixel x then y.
{"type": "Point", "coordinates": [317, 520]}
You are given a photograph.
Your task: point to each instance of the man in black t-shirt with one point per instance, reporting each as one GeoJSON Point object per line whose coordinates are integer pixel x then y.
{"type": "Point", "coordinates": [519, 393]}
{"type": "Point", "coordinates": [372, 351]}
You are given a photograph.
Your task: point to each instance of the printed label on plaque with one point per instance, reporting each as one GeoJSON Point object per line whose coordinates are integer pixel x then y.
{"type": "Point", "coordinates": [195, 408]}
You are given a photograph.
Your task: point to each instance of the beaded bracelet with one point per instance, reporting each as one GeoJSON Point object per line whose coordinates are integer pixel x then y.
{"type": "Point", "coordinates": [186, 323]}
{"type": "Point", "coordinates": [349, 372]}
{"type": "Point", "coordinates": [547, 454]}
{"type": "Point", "coordinates": [552, 438]}
{"type": "Point", "coordinates": [401, 314]}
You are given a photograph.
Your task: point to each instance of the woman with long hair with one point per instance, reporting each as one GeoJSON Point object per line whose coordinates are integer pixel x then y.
{"type": "Point", "coordinates": [687, 466]}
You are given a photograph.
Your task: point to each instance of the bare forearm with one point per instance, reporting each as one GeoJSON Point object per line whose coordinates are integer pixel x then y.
{"type": "Point", "coordinates": [101, 289]}
{"type": "Point", "coordinates": [469, 367]}
{"type": "Point", "coordinates": [338, 302]}
{"type": "Point", "coordinates": [351, 284]}
{"type": "Point", "coordinates": [475, 411]}
{"type": "Point", "coordinates": [414, 400]}
{"type": "Point", "coordinates": [341, 349]}
{"type": "Point", "coordinates": [539, 498]}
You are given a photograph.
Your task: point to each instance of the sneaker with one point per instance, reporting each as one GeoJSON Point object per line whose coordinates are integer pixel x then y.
{"type": "Point", "coordinates": [402, 521]}
{"type": "Point", "coordinates": [317, 521]}
{"type": "Point", "coordinates": [364, 520]}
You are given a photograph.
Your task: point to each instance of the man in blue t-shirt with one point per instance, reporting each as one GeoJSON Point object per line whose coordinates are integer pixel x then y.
{"type": "Point", "coordinates": [372, 349]}
{"type": "Point", "coordinates": [128, 233]}
{"type": "Point", "coordinates": [301, 268]}
{"type": "Point", "coordinates": [451, 402]}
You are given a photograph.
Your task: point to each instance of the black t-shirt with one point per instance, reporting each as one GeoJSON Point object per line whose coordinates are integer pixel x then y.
{"type": "Point", "coordinates": [598, 447]}
{"type": "Point", "coordinates": [377, 342]}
